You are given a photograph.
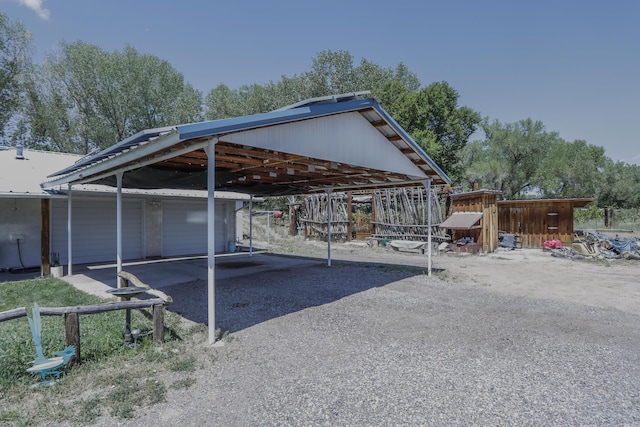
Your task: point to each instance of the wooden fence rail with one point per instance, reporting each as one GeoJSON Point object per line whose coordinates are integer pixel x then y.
{"type": "Point", "coordinates": [72, 318]}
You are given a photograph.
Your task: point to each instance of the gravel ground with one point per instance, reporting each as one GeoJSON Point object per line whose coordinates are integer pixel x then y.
{"type": "Point", "coordinates": [381, 345]}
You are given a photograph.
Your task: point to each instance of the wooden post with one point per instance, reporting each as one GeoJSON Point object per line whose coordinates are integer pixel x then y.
{"type": "Point", "coordinates": [292, 221]}
{"type": "Point", "coordinates": [158, 323]}
{"type": "Point", "coordinates": [45, 265]}
{"type": "Point", "coordinates": [72, 332]}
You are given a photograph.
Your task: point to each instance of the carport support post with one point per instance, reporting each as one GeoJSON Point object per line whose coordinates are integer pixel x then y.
{"type": "Point", "coordinates": [211, 237]}
{"type": "Point", "coordinates": [251, 225]}
{"type": "Point", "coordinates": [427, 185]}
{"type": "Point", "coordinates": [69, 245]}
{"type": "Point", "coordinates": [119, 229]}
{"type": "Point", "coordinates": [329, 228]}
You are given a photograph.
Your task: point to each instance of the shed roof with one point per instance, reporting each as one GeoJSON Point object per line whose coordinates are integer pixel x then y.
{"type": "Point", "coordinates": [461, 220]}
{"type": "Point", "coordinates": [576, 202]}
{"type": "Point", "coordinates": [21, 177]}
{"type": "Point", "coordinates": [339, 142]}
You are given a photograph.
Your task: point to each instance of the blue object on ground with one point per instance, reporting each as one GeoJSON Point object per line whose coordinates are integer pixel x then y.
{"type": "Point", "coordinates": [43, 365]}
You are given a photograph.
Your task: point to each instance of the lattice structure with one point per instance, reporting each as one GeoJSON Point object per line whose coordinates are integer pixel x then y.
{"type": "Point", "coordinates": [396, 214]}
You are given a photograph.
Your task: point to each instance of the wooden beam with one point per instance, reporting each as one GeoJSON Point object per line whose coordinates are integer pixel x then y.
{"type": "Point", "coordinates": [72, 333]}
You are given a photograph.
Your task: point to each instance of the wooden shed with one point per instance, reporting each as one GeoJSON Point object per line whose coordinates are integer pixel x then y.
{"type": "Point", "coordinates": [475, 215]}
{"type": "Point", "coordinates": [538, 220]}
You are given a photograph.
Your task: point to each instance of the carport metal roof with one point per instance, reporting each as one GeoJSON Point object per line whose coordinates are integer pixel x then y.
{"type": "Point", "coordinates": [338, 142]}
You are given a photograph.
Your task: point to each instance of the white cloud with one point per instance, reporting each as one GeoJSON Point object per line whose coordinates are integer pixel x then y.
{"type": "Point", "coordinates": [36, 6]}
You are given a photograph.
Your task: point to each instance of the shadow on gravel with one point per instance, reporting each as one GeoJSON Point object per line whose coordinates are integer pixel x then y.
{"type": "Point", "coordinates": [258, 296]}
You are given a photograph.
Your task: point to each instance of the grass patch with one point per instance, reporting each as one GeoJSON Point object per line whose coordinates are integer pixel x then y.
{"type": "Point", "coordinates": [187, 364]}
{"type": "Point", "coordinates": [183, 383]}
{"type": "Point", "coordinates": [112, 378]}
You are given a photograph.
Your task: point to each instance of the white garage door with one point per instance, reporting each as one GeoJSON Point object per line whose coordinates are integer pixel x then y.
{"type": "Point", "coordinates": [94, 229]}
{"type": "Point", "coordinates": [184, 227]}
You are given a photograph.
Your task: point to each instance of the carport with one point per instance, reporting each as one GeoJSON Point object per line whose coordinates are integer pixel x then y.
{"type": "Point", "coordinates": [328, 144]}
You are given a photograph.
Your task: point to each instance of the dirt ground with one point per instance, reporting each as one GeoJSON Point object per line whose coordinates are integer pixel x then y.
{"type": "Point", "coordinates": [531, 273]}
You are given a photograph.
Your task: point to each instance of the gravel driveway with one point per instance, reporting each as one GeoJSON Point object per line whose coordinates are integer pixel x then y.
{"type": "Point", "coordinates": [372, 345]}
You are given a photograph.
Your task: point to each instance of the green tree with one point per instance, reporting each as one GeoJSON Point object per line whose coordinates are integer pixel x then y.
{"type": "Point", "coordinates": [436, 122]}
{"type": "Point", "coordinates": [571, 169]}
{"type": "Point", "coordinates": [15, 62]}
{"type": "Point", "coordinates": [620, 186]}
{"type": "Point", "coordinates": [91, 99]}
{"type": "Point", "coordinates": [509, 157]}
{"type": "Point", "coordinates": [331, 73]}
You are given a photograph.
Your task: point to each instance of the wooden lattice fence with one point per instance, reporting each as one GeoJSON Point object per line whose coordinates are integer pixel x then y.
{"type": "Point", "coordinates": [396, 213]}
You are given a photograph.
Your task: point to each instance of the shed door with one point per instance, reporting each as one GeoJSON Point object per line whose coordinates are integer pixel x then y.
{"type": "Point", "coordinates": [94, 225]}
{"type": "Point", "coordinates": [184, 227]}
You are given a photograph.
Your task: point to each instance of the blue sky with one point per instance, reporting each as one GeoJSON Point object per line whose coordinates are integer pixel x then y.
{"type": "Point", "coordinates": [574, 65]}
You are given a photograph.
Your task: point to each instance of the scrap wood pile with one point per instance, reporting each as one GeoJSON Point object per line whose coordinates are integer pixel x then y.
{"type": "Point", "coordinates": [592, 244]}
{"type": "Point", "coordinates": [315, 211]}
{"type": "Point", "coordinates": [402, 214]}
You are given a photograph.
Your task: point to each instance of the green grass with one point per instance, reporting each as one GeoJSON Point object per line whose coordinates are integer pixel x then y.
{"type": "Point", "coordinates": [112, 378]}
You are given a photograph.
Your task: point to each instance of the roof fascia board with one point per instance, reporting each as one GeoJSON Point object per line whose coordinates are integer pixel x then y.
{"type": "Point", "coordinates": [87, 174]}
{"type": "Point", "coordinates": [147, 162]}
{"type": "Point", "coordinates": [238, 124]}
{"type": "Point", "coordinates": [386, 116]}
{"type": "Point", "coordinates": [372, 185]}
{"type": "Point", "coordinates": [87, 160]}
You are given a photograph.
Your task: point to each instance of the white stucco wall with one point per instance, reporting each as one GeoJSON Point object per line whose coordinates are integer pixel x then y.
{"type": "Point", "coordinates": [19, 219]}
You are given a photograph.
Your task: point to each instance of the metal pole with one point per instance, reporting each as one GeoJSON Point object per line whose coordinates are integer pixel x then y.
{"type": "Point", "coordinates": [329, 228]}
{"type": "Point", "coordinates": [69, 234]}
{"type": "Point", "coordinates": [251, 225]}
{"type": "Point", "coordinates": [268, 229]}
{"type": "Point", "coordinates": [211, 238]}
{"type": "Point", "coordinates": [428, 187]}
{"type": "Point", "coordinates": [119, 281]}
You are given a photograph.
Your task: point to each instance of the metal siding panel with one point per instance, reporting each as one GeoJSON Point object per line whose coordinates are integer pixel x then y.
{"type": "Point", "coordinates": [19, 217]}
{"type": "Point", "coordinates": [347, 138]}
{"type": "Point", "coordinates": [94, 229]}
{"type": "Point", "coordinates": [184, 227]}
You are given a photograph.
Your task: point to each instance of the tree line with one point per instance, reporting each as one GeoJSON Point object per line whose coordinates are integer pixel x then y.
{"type": "Point", "coordinates": [81, 99]}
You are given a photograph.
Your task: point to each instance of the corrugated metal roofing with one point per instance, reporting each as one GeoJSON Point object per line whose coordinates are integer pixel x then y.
{"type": "Point", "coordinates": [461, 220]}
{"type": "Point", "coordinates": [174, 157]}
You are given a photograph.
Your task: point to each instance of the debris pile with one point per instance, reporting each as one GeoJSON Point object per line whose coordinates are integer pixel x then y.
{"type": "Point", "coordinates": [592, 244]}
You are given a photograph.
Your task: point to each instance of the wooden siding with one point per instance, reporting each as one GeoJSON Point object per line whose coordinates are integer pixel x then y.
{"type": "Point", "coordinates": [481, 201]}
{"type": "Point", "coordinates": [539, 220]}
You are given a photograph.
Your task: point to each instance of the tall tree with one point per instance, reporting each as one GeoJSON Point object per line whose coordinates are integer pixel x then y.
{"type": "Point", "coordinates": [15, 61]}
{"type": "Point", "coordinates": [98, 98]}
{"type": "Point", "coordinates": [434, 119]}
{"type": "Point", "coordinates": [571, 169]}
{"type": "Point", "coordinates": [509, 156]}
{"type": "Point", "coordinates": [331, 73]}
{"type": "Point", "coordinates": [620, 186]}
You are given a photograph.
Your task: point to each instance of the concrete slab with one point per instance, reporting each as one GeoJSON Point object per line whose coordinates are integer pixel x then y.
{"type": "Point", "coordinates": [159, 274]}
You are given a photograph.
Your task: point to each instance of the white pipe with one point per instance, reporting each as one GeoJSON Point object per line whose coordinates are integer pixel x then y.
{"type": "Point", "coordinates": [329, 228]}
{"type": "Point", "coordinates": [211, 238]}
{"type": "Point", "coordinates": [251, 225]}
{"type": "Point", "coordinates": [69, 234]}
{"type": "Point", "coordinates": [428, 187]}
{"type": "Point", "coordinates": [119, 228]}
